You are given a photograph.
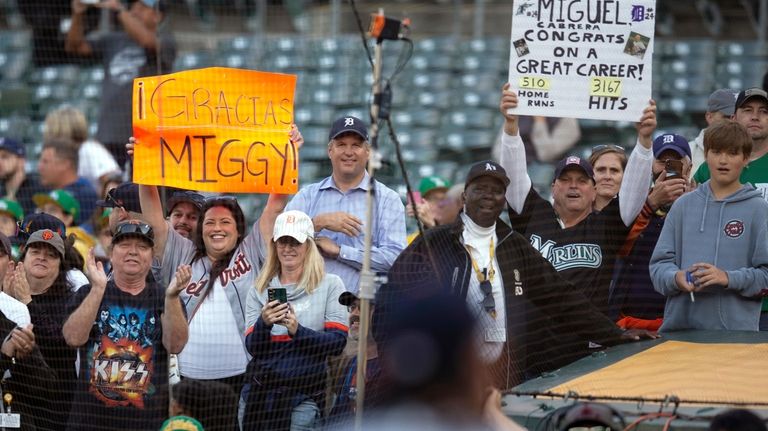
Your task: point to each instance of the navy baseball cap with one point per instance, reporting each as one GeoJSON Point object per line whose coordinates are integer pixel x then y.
{"type": "Point", "coordinates": [348, 124]}
{"type": "Point", "coordinates": [125, 196]}
{"type": "Point", "coordinates": [40, 221]}
{"type": "Point", "coordinates": [574, 161]}
{"type": "Point", "coordinates": [487, 168]}
{"type": "Point", "coordinates": [13, 146]}
{"type": "Point", "coordinates": [671, 141]}
{"type": "Point", "coordinates": [749, 94]}
{"type": "Point", "coordinates": [196, 199]}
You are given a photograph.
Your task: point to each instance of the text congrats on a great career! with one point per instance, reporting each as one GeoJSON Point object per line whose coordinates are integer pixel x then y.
{"type": "Point", "coordinates": [582, 58]}
{"type": "Point", "coordinates": [216, 130]}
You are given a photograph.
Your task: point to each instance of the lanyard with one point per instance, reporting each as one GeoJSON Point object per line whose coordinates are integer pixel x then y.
{"type": "Point", "coordinates": [486, 273]}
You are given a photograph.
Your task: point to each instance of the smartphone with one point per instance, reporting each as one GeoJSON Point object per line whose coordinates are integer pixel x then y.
{"type": "Point", "coordinates": [416, 197]}
{"type": "Point", "coordinates": [674, 168]}
{"type": "Point", "coordinates": [277, 294]}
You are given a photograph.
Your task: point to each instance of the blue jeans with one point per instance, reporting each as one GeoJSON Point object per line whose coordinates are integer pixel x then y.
{"type": "Point", "coordinates": [304, 416]}
{"type": "Point", "coordinates": [764, 321]}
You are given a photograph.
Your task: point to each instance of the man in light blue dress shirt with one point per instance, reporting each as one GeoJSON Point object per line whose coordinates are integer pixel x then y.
{"type": "Point", "coordinates": [337, 205]}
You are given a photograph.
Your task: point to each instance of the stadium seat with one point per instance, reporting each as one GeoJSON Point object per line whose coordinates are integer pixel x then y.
{"type": "Point", "coordinates": [192, 60]}
{"type": "Point", "coordinates": [15, 98]}
{"type": "Point", "coordinates": [313, 115]}
{"type": "Point", "coordinates": [443, 45]}
{"type": "Point", "coordinates": [491, 45]}
{"type": "Point", "coordinates": [470, 119]}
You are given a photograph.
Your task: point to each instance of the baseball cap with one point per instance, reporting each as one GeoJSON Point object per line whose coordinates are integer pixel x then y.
{"type": "Point", "coordinates": [126, 195]}
{"type": "Point", "coordinates": [188, 196]}
{"type": "Point", "coordinates": [49, 237]}
{"type": "Point", "coordinates": [671, 141]}
{"type": "Point", "coordinates": [35, 222]}
{"type": "Point", "coordinates": [487, 168]}
{"type": "Point", "coordinates": [6, 245]}
{"type": "Point", "coordinates": [134, 229]}
{"type": "Point", "coordinates": [13, 146]}
{"type": "Point", "coordinates": [572, 161]}
{"type": "Point", "coordinates": [433, 183]}
{"type": "Point", "coordinates": [295, 224]}
{"type": "Point", "coordinates": [722, 100]}
{"type": "Point", "coordinates": [12, 208]}
{"type": "Point", "coordinates": [62, 198]}
{"type": "Point", "coordinates": [347, 298]}
{"type": "Point", "coordinates": [348, 124]}
{"type": "Point", "coordinates": [750, 93]}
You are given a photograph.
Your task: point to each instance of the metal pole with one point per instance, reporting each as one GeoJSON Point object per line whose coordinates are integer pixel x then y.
{"type": "Point", "coordinates": [366, 293]}
{"type": "Point", "coordinates": [479, 23]}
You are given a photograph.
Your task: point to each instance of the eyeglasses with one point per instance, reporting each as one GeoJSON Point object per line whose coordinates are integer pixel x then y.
{"type": "Point", "coordinates": [488, 302]}
{"type": "Point", "coordinates": [611, 147]}
{"type": "Point", "coordinates": [134, 227]}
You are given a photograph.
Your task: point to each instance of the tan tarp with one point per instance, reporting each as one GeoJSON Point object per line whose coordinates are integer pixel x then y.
{"type": "Point", "coordinates": [714, 373]}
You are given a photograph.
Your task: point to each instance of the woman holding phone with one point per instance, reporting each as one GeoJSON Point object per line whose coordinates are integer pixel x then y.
{"type": "Point", "coordinates": [295, 322]}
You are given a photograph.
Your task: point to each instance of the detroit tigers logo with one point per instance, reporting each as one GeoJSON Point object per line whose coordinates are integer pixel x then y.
{"type": "Point", "coordinates": [734, 228]}
{"type": "Point", "coordinates": [570, 255]}
{"type": "Point", "coordinates": [349, 122]}
{"type": "Point", "coordinates": [572, 160]}
{"type": "Point", "coordinates": [489, 167]}
{"type": "Point", "coordinates": [668, 139]}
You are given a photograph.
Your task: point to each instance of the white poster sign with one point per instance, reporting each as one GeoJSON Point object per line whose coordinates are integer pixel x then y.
{"type": "Point", "coordinates": [582, 58]}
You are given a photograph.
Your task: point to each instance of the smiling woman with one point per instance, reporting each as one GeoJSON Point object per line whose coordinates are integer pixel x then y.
{"type": "Point", "coordinates": [283, 395]}
{"type": "Point", "coordinates": [225, 258]}
{"type": "Point", "coordinates": [40, 281]}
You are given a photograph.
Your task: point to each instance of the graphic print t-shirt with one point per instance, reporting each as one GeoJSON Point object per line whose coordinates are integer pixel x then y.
{"type": "Point", "coordinates": [123, 367]}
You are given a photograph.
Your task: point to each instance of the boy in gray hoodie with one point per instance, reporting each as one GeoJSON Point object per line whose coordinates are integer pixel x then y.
{"type": "Point", "coordinates": [711, 260]}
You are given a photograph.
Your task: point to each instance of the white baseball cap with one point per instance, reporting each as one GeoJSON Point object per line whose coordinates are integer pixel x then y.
{"type": "Point", "coordinates": [295, 224]}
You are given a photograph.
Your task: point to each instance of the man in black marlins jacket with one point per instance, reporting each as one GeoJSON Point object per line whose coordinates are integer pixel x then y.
{"type": "Point", "coordinates": [529, 319]}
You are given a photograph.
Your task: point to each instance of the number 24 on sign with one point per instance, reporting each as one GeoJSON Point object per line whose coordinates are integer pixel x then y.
{"type": "Point", "coordinates": [606, 87]}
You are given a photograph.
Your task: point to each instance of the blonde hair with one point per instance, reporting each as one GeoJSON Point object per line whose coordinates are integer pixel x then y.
{"type": "Point", "coordinates": [312, 273]}
{"type": "Point", "coordinates": [66, 122]}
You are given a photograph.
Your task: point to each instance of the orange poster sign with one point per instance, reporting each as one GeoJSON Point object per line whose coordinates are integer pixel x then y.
{"type": "Point", "coordinates": [217, 130]}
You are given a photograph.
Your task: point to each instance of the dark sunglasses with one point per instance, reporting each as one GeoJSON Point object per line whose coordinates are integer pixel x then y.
{"type": "Point", "coordinates": [488, 302]}
{"type": "Point", "coordinates": [134, 227]}
{"type": "Point", "coordinates": [603, 147]}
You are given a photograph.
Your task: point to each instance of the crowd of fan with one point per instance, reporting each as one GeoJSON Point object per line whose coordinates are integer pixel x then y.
{"type": "Point", "coordinates": [114, 298]}
{"type": "Point", "coordinates": [107, 300]}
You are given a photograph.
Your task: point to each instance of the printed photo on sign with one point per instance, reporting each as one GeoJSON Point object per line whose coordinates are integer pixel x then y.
{"type": "Point", "coordinates": [636, 45]}
{"type": "Point", "coordinates": [521, 47]}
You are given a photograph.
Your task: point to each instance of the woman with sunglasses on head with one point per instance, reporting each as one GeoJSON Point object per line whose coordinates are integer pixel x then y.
{"type": "Point", "coordinates": [295, 322]}
{"type": "Point", "coordinates": [608, 163]}
{"type": "Point", "coordinates": [225, 261]}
